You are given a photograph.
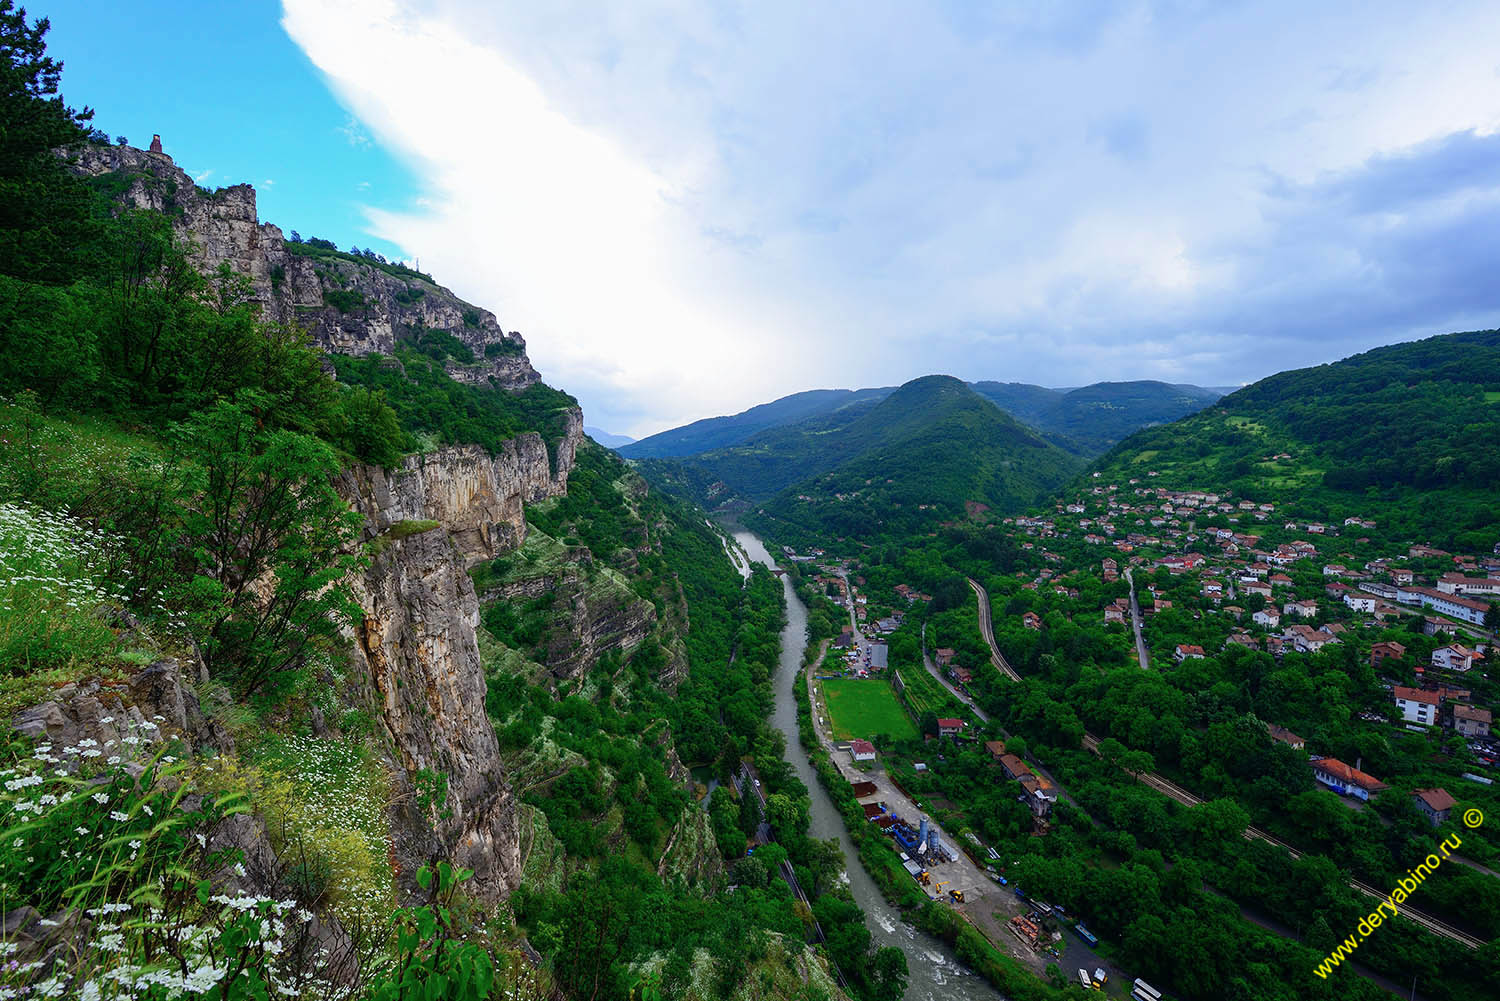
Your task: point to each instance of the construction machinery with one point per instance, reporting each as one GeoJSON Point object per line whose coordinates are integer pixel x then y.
{"type": "Point", "coordinates": [957, 896]}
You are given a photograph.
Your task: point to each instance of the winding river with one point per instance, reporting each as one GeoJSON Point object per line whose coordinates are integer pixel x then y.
{"type": "Point", "coordinates": [936, 975]}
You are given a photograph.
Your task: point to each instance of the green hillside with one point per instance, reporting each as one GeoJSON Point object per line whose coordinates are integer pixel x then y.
{"type": "Point", "coordinates": [1403, 433]}
{"type": "Point", "coordinates": [722, 432]}
{"type": "Point", "coordinates": [927, 453]}
{"type": "Point", "coordinates": [1094, 417]}
{"type": "Point", "coordinates": [1086, 420]}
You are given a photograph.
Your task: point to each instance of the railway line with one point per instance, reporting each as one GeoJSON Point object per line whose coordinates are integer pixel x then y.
{"type": "Point", "coordinates": [1180, 795]}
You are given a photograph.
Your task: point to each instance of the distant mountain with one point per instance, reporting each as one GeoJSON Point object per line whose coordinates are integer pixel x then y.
{"type": "Point", "coordinates": [931, 451]}
{"type": "Point", "coordinates": [1404, 434]}
{"type": "Point", "coordinates": [1094, 417]}
{"type": "Point", "coordinates": [606, 439]}
{"type": "Point", "coordinates": [1088, 419]}
{"type": "Point", "coordinates": [721, 432]}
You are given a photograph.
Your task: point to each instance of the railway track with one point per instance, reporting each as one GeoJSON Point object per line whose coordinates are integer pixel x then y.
{"type": "Point", "coordinates": [1180, 795]}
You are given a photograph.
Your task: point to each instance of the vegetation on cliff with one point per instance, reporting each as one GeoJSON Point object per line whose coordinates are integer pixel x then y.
{"type": "Point", "coordinates": [203, 796]}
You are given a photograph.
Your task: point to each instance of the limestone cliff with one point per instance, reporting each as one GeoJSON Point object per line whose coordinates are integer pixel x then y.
{"type": "Point", "coordinates": [417, 640]}
{"type": "Point", "coordinates": [350, 306]}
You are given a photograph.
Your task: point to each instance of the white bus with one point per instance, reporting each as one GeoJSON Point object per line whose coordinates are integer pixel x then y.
{"type": "Point", "coordinates": [1083, 978]}
{"type": "Point", "coordinates": [1145, 992]}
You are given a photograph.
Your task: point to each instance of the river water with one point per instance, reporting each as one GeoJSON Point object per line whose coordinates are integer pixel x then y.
{"type": "Point", "coordinates": [936, 975]}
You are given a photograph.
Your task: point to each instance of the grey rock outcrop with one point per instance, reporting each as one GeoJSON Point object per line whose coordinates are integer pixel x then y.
{"type": "Point", "coordinates": [350, 306]}
{"type": "Point", "coordinates": [417, 640]}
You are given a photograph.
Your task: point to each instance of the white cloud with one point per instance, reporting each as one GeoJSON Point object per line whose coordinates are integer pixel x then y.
{"type": "Point", "coordinates": [691, 209]}
{"type": "Point", "coordinates": [354, 134]}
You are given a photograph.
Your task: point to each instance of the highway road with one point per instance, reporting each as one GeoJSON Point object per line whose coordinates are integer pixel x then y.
{"type": "Point", "coordinates": [1135, 622]}
{"type": "Point", "coordinates": [1182, 796]}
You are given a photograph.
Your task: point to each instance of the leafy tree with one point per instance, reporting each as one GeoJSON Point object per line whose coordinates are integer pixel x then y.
{"type": "Point", "coordinates": [271, 540]}
{"type": "Point", "coordinates": [44, 209]}
{"type": "Point", "coordinates": [927, 724]}
{"type": "Point", "coordinates": [891, 972]}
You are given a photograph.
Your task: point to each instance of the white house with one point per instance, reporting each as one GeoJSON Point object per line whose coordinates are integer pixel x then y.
{"type": "Point", "coordinates": [1417, 706]}
{"type": "Point", "coordinates": [863, 750]}
{"type": "Point", "coordinates": [1454, 657]}
{"type": "Point", "coordinates": [1268, 617]}
{"type": "Point", "coordinates": [1360, 602]}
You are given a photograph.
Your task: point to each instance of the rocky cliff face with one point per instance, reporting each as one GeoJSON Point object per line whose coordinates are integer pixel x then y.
{"type": "Point", "coordinates": [417, 640]}
{"type": "Point", "coordinates": [594, 612]}
{"type": "Point", "coordinates": [351, 307]}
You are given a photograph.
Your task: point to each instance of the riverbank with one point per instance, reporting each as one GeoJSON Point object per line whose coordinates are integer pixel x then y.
{"type": "Point", "coordinates": [936, 972]}
{"type": "Point", "coordinates": [879, 856]}
{"type": "Point", "coordinates": [873, 860]}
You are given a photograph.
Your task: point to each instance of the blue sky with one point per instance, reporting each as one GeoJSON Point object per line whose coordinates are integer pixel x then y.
{"type": "Point", "coordinates": [235, 101]}
{"type": "Point", "coordinates": [690, 207]}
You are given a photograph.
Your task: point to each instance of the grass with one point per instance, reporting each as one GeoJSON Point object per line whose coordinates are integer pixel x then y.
{"type": "Point", "coordinates": [1243, 423]}
{"type": "Point", "coordinates": [1491, 396]}
{"type": "Point", "coordinates": [865, 709]}
{"type": "Point", "coordinates": [924, 694]}
{"type": "Point", "coordinates": [327, 799]}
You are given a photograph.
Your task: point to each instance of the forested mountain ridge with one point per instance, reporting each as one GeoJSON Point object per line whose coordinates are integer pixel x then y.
{"type": "Point", "coordinates": [1086, 420]}
{"type": "Point", "coordinates": [721, 432]}
{"type": "Point", "coordinates": [1403, 431]}
{"type": "Point", "coordinates": [930, 451]}
{"type": "Point", "coordinates": [1094, 417]}
{"type": "Point", "coordinates": [375, 671]}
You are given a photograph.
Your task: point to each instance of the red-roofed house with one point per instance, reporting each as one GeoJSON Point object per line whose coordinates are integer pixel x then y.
{"type": "Point", "coordinates": [1471, 721]}
{"type": "Point", "coordinates": [1286, 736]}
{"type": "Point", "coordinates": [1344, 780]}
{"type": "Point", "coordinates": [1014, 766]}
{"type": "Point", "coordinates": [1435, 804]}
{"type": "Point", "coordinates": [1454, 657]}
{"type": "Point", "coordinates": [950, 727]}
{"type": "Point", "coordinates": [1031, 620]}
{"type": "Point", "coordinates": [1386, 651]}
{"type": "Point", "coordinates": [1416, 705]}
{"type": "Point", "coordinates": [1186, 651]}
{"type": "Point", "coordinates": [863, 750]}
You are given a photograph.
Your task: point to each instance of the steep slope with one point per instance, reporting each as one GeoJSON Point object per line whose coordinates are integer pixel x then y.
{"type": "Point", "coordinates": [249, 487]}
{"type": "Point", "coordinates": [1403, 432]}
{"type": "Point", "coordinates": [932, 450]}
{"type": "Point", "coordinates": [721, 432]}
{"type": "Point", "coordinates": [352, 305]}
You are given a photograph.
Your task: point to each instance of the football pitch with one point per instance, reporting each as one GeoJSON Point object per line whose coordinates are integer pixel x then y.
{"type": "Point", "coordinates": [865, 709]}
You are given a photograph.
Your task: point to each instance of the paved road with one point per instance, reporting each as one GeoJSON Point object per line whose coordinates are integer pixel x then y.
{"type": "Point", "coordinates": [1187, 799]}
{"type": "Point", "coordinates": [987, 905]}
{"type": "Point", "coordinates": [1181, 795]}
{"type": "Point", "coordinates": [1135, 621]}
{"type": "Point", "coordinates": [953, 690]}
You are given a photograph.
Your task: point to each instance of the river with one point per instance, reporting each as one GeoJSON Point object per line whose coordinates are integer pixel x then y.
{"type": "Point", "coordinates": [936, 975]}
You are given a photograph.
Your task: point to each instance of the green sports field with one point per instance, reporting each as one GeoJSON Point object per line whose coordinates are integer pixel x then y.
{"type": "Point", "coordinates": [865, 709]}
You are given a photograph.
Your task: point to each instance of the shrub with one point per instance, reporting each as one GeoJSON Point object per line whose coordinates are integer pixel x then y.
{"type": "Point", "coordinates": [344, 301]}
